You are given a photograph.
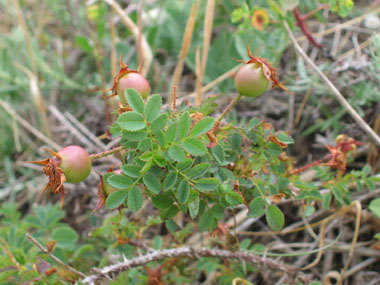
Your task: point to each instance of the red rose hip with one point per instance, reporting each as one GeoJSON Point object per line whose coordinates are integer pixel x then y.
{"type": "Point", "coordinates": [75, 163]}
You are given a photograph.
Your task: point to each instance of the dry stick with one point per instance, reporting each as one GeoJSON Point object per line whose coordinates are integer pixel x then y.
{"type": "Point", "coordinates": [189, 253]}
{"type": "Point", "coordinates": [185, 43]}
{"type": "Point", "coordinates": [365, 127]}
{"type": "Point", "coordinates": [29, 127]}
{"type": "Point", "coordinates": [302, 106]}
{"type": "Point", "coordinates": [44, 250]}
{"type": "Point", "coordinates": [85, 130]}
{"type": "Point", "coordinates": [206, 45]}
{"type": "Point", "coordinates": [147, 52]}
{"type": "Point", "coordinates": [62, 119]}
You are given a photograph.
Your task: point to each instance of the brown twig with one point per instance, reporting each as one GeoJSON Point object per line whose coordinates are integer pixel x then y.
{"type": "Point", "coordinates": [357, 118]}
{"type": "Point", "coordinates": [44, 250]}
{"type": "Point", "coordinates": [193, 253]}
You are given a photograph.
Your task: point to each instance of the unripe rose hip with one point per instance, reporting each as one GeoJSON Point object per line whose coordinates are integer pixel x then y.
{"type": "Point", "coordinates": [75, 163]}
{"type": "Point", "coordinates": [250, 80]}
{"type": "Point", "coordinates": [133, 80]}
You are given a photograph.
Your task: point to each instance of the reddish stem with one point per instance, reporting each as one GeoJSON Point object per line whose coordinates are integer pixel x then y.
{"type": "Point", "coordinates": [305, 30]}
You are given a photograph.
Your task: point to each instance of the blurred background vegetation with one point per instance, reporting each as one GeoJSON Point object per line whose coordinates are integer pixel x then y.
{"type": "Point", "coordinates": [57, 58]}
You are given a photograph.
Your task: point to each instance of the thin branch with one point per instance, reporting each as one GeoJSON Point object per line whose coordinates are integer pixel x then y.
{"type": "Point", "coordinates": [365, 127]}
{"type": "Point", "coordinates": [106, 153]}
{"type": "Point", "coordinates": [44, 250]}
{"type": "Point", "coordinates": [193, 253]}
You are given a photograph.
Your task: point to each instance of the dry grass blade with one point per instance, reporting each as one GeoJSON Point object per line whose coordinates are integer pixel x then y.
{"type": "Point", "coordinates": [325, 221]}
{"type": "Point", "coordinates": [37, 99]}
{"type": "Point", "coordinates": [127, 21]}
{"type": "Point", "coordinates": [113, 60]}
{"type": "Point", "coordinates": [22, 23]}
{"type": "Point", "coordinates": [29, 127]}
{"type": "Point", "coordinates": [139, 38]}
{"type": "Point", "coordinates": [206, 45]}
{"type": "Point", "coordinates": [188, 35]}
{"type": "Point", "coordinates": [357, 118]}
{"type": "Point", "coordinates": [354, 239]}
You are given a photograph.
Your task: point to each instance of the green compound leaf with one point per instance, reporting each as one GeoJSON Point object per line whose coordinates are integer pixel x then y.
{"type": "Point", "coordinates": [135, 199]}
{"type": "Point", "coordinates": [257, 207]}
{"type": "Point", "coordinates": [119, 181]}
{"type": "Point", "coordinates": [153, 107]}
{"type": "Point", "coordinates": [170, 180]}
{"type": "Point", "coordinates": [183, 192]}
{"type": "Point", "coordinates": [176, 153]}
{"type": "Point", "coordinates": [159, 123]}
{"type": "Point", "coordinates": [275, 218]}
{"type": "Point", "coordinates": [131, 121]}
{"type": "Point", "coordinates": [152, 182]}
{"type": "Point", "coordinates": [134, 100]}
{"type": "Point", "coordinates": [183, 126]}
{"type": "Point", "coordinates": [115, 199]}
{"type": "Point", "coordinates": [194, 146]}
{"type": "Point", "coordinates": [202, 126]}
{"type": "Point", "coordinates": [206, 184]}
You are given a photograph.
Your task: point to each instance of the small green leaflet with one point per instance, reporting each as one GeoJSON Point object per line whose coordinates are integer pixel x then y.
{"type": "Point", "coordinates": [170, 180]}
{"type": "Point", "coordinates": [183, 126]}
{"type": "Point", "coordinates": [153, 107]}
{"type": "Point", "coordinates": [257, 207]}
{"type": "Point", "coordinates": [183, 191]}
{"type": "Point", "coordinates": [134, 100]}
{"type": "Point", "coordinates": [202, 126]}
{"type": "Point", "coordinates": [152, 182]}
{"type": "Point", "coordinates": [135, 199]}
{"type": "Point", "coordinates": [275, 218]}
{"type": "Point", "coordinates": [115, 199]}
{"type": "Point", "coordinates": [119, 181]}
{"type": "Point", "coordinates": [176, 153]}
{"type": "Point", "coordinates": [194, 146]}
{"type": "Point", "coordinates": [131, 121]}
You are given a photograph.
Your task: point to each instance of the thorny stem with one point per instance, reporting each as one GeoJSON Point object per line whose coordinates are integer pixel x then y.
{"type": "Point", "coordinates": [106, 153]}
{"type": "Point", "coordinates": [193, 253]}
